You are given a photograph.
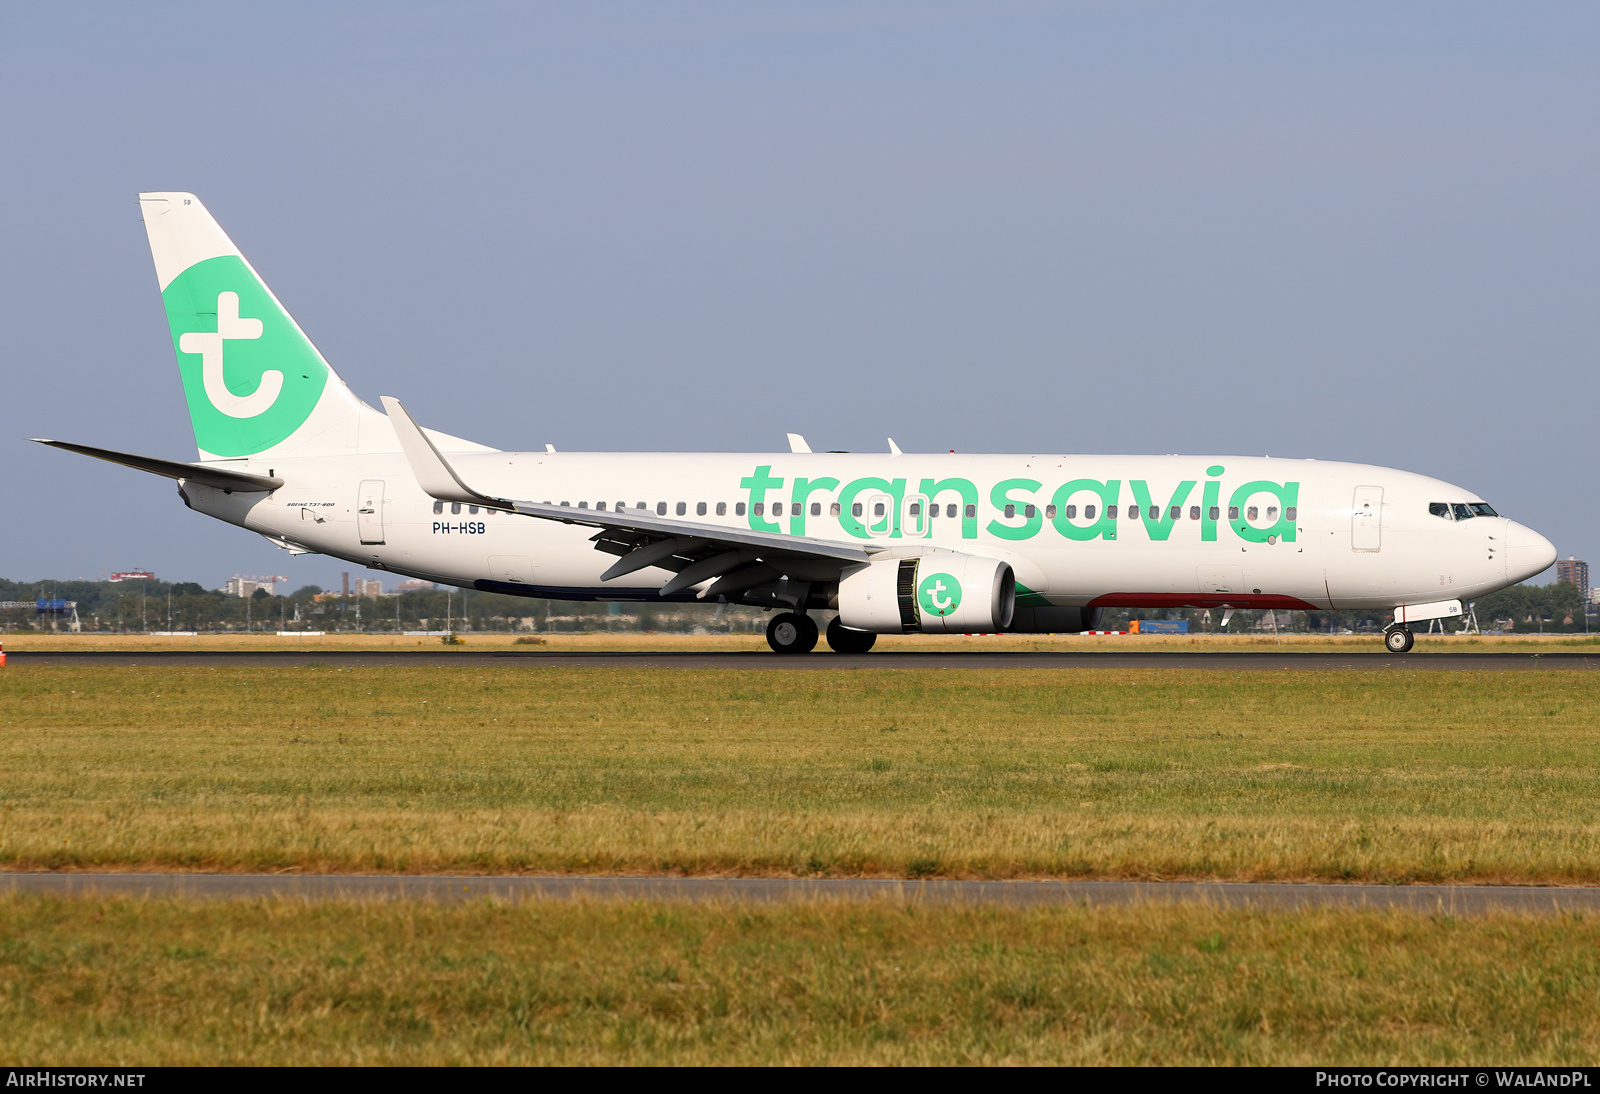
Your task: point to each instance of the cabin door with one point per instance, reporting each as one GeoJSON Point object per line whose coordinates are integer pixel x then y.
{"type": "Point", "coordinates": [369, 511]}
{"type": "Point", "coordinates": [1366, 523]}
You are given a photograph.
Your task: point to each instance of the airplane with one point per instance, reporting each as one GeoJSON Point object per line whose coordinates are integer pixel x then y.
{"type": "Point", "coordinates": [893, 543]}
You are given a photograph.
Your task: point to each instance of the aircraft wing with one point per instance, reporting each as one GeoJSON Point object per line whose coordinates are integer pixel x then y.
{"type": "Point", "coordinates": [737, 558]}
{"type": "Point", "coordinates": [205, 474]}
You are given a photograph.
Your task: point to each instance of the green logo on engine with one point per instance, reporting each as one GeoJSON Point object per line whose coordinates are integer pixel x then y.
{"type": "Point", "coordinates": [939, 594]}
{"type": "Point", "coordinates": [250, 375]}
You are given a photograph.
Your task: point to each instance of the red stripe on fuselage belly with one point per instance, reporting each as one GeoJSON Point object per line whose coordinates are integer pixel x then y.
{"type": "Point", "coordinates": [1201, 600]}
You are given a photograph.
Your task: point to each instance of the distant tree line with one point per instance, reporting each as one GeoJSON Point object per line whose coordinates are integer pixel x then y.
{"type": "Point", "coordinates": [142, 606]}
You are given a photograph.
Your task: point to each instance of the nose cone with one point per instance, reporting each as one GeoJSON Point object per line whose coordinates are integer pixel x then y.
{"type": "Point", "coordinates": [1527, 552]}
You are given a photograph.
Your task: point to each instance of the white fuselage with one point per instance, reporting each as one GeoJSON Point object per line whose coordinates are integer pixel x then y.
{"type": "Point", "coordinates": [1209, 531]}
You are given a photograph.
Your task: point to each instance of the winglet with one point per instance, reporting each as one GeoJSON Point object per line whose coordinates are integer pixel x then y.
{"type": "Point", "coordinates": [894, 449]}
{"type": "Point", "coordinates": [434, 474]}
{"type": "Point", "coordinates": [797, 443]}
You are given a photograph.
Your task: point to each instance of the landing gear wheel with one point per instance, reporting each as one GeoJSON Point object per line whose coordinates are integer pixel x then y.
{"type": "Point", "coordinates": [791, 633]}
{"type": "Point", "coordinates": [841, 639]}
{"type": "Point", "coordinates": [1398, 640]}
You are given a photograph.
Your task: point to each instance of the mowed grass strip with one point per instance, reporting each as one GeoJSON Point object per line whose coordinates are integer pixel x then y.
{"type": "Point", "coordinates": [1388, 776]}
{"type": "Point", "coordinates": [131, 983]}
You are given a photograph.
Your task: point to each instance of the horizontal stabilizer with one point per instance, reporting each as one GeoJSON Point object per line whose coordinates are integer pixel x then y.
{"type": "Point", "coordinates": [202, 473]}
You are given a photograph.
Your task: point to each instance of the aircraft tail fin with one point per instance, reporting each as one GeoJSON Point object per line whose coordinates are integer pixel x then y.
{"type": "Point", "coordinates": [256, 385]}
{"type": "Point", "coordinates": [254, 382]}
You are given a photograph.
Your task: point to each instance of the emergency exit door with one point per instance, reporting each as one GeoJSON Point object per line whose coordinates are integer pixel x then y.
{"type": "Point", "coordinates": [1366, 523]}
{"type": "Point", "coordinates": [369, 511]}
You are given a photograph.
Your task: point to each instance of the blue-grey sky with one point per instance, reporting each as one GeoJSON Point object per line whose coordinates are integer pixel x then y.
{"type": "Point", "coordinates": [1362, 231]}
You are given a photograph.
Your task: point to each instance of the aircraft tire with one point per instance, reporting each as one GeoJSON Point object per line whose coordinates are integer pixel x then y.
{"type": "Point", "coordinates": [1398, 640]}
{"type": "Point", "coordinates": [842, 639]}
{"type": "Point", "coordinates": [788, 632]}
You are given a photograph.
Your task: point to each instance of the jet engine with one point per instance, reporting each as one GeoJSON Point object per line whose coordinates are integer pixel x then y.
{"type": "Point", "coordinates": [942, 593]}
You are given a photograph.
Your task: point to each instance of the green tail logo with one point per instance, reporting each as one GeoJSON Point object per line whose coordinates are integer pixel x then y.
{"type": "Point", "coordinates": [250, 375]}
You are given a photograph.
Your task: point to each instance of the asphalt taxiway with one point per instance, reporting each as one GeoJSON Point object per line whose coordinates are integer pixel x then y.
{"type": "Point", "coordinates": [1458, 900]}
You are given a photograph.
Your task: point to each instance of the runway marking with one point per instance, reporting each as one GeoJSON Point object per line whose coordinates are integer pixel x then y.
{"type": "Point", "coordinates": [1460, 900]}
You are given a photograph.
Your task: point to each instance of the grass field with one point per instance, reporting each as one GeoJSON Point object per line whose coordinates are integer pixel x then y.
{"type": "Point", "coordinates": [156, 982]}
{"type": "Point", "coordinates": [1393, 776]}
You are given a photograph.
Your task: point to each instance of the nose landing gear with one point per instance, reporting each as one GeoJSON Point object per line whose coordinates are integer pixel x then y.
{"type": "Point", "coordinates": [1398, 639]}
{"type": "Point", "coordinates": [789, 632]}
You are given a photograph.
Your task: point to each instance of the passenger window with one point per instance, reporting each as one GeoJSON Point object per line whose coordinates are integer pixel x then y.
{"type": "Point", "coordinates": [600, 505]}
{"type": "Point", "coordinates": [1439, 509]}
{"type": "Point", "coordinates": [1290, 514]}
{"type": "Point", "coordinates": [1252, 513]}
{"type": "Point", "coordinates": [1011, 511]}
{"type": "Point", "coordinates": [1272, 512]}
{"type": "Point", "coordinates": [681, 509]}
{"type": "Point", "coordinates": [438, 507]}
{"type": "Point", "coordinates": [972, 511]}
{"type": "Point", "coordinates": [877, 509]}
{"type": "Point", "coordinates": [473, 509]}
{"type": "Point", "coordinates": [950, 511]}
{"type": "Point", "coordinates": [1088, 512]}
{"type": "Point", "coordinates": [916, 508]}
{"type": "Point", "coordinates": [1177, 512]}
{"type": "Point", "coordinates": [834, 510]}
{"type": "Point", "coordinates": [1194, 512]}
{"type": "Point", "coordinates": [1216, 513]}
{"type": "Point", "coordinates": [761, 509]}
{"type": "Point", "coordinates": [1233, 512]}
{"type": "Point", "coordinates": [1028, 511]}
{"type": "Point", "coordinates": [1111, 512]}
{"type": "Point", "coordinates": [777, 508]}
{"type": "Point", "coordinates": [699, 508]}
{"type": "Point", "coordinates": [722, 508]}
{"type": "Point", "coordinates": [1155, 512]}
{"type": "Point", "coordinates": [1049, 512]}
{"type": "Point", "coordinates": [581, 505]}
{"type": "Point", "coordinates": [643, 505]}
{"type": "Point", "coordinates": [738, 508]}
{"type": "Point", "coordinates": [1461, 511]}
{"type": "Point", "coordinates": [856, 510]}
{"type": "Point", "coordinates": [661, 508]}
{"type": "Point", "coordinates": [455, 508]}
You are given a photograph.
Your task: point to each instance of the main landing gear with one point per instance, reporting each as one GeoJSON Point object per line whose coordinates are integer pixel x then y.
{"type": "Point", "coordinates": [1398, 639]}
{"type": "Point", "coordinates": [789, 632]}
{"type": "Point", "coordinates": [842, 639]}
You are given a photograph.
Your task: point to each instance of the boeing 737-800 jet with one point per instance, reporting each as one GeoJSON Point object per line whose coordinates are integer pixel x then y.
{"type": "Point", "coordinates": [894, 542]}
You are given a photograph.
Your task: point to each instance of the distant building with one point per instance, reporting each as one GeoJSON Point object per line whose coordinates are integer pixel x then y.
{"type": "Point", "coordinates": [133, 575]}
{"type": "Point", "coordinates": [247, 584]}
{"type": "Point", "coordinates": [1577, 572]}
{"type": "Point", "coordinates": [414, 586]}
{"type": "Point", "coordinates": [373, 588]}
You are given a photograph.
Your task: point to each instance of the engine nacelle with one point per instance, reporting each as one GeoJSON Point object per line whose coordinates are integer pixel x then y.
{"type": "Point", "coordinates": [943, 593]}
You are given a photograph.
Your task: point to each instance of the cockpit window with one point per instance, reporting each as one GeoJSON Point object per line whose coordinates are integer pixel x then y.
{"type": "Point", "coordinates": [1482, 509]}
{"type": "Point", "coordinates": [1462, 512]}
{"type": "Point", "coordinates": [1439, 509]}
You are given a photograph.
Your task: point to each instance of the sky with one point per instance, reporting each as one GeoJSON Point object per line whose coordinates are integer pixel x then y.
{"type": "Point", "coordinates": [1350, 231]}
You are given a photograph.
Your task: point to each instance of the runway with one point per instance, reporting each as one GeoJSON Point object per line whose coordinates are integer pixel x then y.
{"type": "Point", "coordinates": [1310, 661]}
{"type": "Point", "coordinates": [1460, 900]}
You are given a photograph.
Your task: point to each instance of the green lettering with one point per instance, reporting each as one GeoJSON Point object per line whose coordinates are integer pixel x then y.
{"type": "Point", "coordinates": [1103, 527]}
{"type": "Point", "coordinates": [1208, 502]}
{"type": "Point", "coordinates": [801, 491]}
{"type": "Point", "coordinates": [847, 498]}
{"type": "Point", "coordinates": [1000, 497]}
{"type": "Point", "coordinates": [1288, 495]}
{"type": "Point", "coordinates": [969, 496]}
{"type": "Point", "coordinates": [1160, 528]}
{"type": "Point", "coordinates": [758, 485]}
